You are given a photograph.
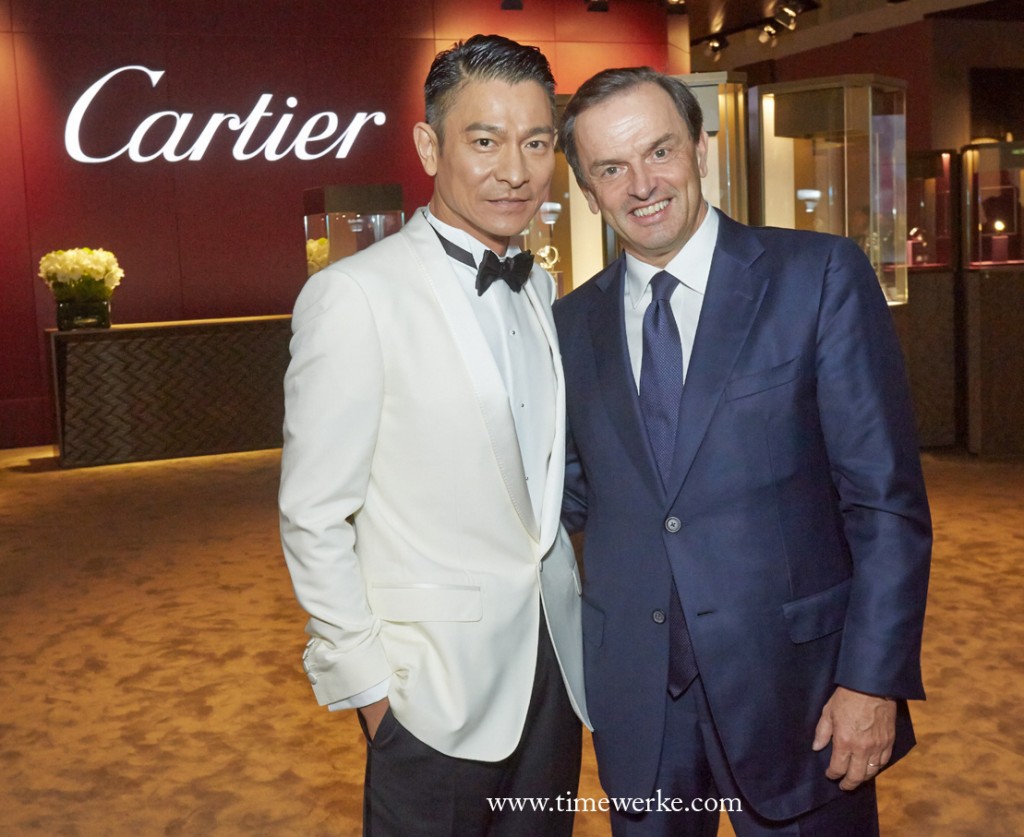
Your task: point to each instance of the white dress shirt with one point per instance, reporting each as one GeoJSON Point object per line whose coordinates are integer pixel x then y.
{"type": "Point", "coordinates": [522, 354]}
{"type": "Point", "coordinates": [525, 363]}
{"type": "Point", "coordinates": [691, 267]}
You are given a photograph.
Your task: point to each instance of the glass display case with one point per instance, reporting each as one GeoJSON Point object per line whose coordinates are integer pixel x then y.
{"type": "Point", "coordinates": [830, 155]}
{"type": "Point", "coordinates": [932, 190]}
{"type": "Point", "coordinates": [343, 219]}
{"type": "Point", "coordinates": [722, 98]}
{"type": "Point", "coordinates": [993, 177]}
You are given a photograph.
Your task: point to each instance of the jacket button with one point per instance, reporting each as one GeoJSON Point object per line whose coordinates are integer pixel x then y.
{"type": "Point", "coordinates": [658, 616]}
{"type": "Point", "coordinates": [673, 525]}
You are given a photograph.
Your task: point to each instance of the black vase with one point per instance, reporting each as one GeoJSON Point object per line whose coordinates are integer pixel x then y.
{"type": "Point", "coordinates": [92, 314]}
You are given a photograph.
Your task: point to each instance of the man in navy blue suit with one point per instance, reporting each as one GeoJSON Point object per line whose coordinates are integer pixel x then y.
{"type": "Point", "coordinates": [743, 462]}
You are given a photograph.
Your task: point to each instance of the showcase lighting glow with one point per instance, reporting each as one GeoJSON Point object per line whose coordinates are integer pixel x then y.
{"type": "Point", "coordinates": [307, 143]}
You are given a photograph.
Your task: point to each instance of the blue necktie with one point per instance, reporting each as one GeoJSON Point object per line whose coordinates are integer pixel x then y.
{"type": "Point", "coordinates": [661, 372]}
{"type": "Point", "coordinates": [661, 388]}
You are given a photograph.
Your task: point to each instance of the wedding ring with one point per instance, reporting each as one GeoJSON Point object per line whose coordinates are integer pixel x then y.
{"type": "Point", "coordinates": [872, 764]}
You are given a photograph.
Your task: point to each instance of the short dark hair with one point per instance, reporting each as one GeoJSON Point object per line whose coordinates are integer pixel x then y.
{"type": "Point", "coordinates": [608, 83]}
{"type": "Point", "coordinates": [482, 58]}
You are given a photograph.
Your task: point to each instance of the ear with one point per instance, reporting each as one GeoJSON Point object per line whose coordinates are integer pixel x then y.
{"type": "Point", "coordinates": [591, 200]}
{"type": "Point", "coordinates": [427, 146]}
{"type": "Point", "coordinates": [702, 154]}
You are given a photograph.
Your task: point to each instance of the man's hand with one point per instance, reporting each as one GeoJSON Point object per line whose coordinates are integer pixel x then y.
{"type": "Point", "coordinates": [372, 714]}
{"type": "Point", "coordinates": [862, 729]}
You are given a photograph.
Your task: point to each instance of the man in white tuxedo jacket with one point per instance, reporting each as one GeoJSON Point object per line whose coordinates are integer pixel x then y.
{"type": "Point", "coordinates": [422, 477]}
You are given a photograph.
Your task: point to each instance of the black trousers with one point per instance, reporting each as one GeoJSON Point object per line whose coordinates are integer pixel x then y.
{"type": "Point", "coordinates": [412, 790]}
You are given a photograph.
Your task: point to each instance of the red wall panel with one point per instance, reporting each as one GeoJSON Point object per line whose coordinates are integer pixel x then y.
{"type": "Point", "coordinates": [75, 16]}
{"type": "Point", "coordinates": [220, 237]}
{"type": "Point", "coordinates": [456, 19]}
{"type": "Point", "coordinates": [382, 22]}
{"type": "Point", "coordinates": [244, 253]}
{"type": "Point", "coordinates": [16, 300]}
{"type": "Point", "coordinates": [622, 23]}
{"type": "Point", "coordinates": [23, 404]}
{"type": "Point", "coordinates": [119, 205]}
{"type": "Point", "coordinates": [578, 62]}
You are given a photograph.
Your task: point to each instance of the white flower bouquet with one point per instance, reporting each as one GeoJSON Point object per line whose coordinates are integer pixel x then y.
{"type": "Point", "coordinates": [81, 275]}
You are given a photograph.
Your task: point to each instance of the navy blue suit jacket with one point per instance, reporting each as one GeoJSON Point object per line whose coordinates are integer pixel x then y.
{"type": "Point", "coordinates": [803, 541]}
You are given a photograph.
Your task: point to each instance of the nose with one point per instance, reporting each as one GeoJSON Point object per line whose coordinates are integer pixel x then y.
{"type": "Point", "coordinates": [641, 183]}
{"type": "Point", "coordinates": [512, 168]}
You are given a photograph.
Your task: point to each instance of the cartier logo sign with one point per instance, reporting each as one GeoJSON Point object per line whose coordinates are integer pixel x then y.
{"type": "Point", "coordinates": [163, 135]}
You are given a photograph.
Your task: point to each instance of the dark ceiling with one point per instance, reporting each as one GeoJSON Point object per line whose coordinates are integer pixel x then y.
{"type": "Point", "coordinates": [708, 17]}
{"type": "Point", "coordinates": [993, 10]}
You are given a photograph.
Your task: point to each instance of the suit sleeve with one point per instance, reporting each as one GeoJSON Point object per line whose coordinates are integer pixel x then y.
{"type": "Point", "coordinates": [333, 397]}
{"type": "Point", "coordinates": [574, 500]}
{"type": "Point", "coordinates": [869, 431]}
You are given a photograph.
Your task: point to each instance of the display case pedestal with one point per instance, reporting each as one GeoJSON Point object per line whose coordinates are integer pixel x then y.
{"type": "Point", "coordinates": [995, 361]}
{"type": "Point", "coordinates": [927, 331]}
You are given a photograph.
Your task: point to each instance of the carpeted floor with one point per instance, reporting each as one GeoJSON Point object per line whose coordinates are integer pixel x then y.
{"type": "Point", "coordinates": [150, 680]}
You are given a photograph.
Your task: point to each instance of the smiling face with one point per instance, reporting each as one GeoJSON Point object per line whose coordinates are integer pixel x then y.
{"type": "Point", "coordinates": [493, 168]}
{"type": "Point", "coordinates": [643, 171]}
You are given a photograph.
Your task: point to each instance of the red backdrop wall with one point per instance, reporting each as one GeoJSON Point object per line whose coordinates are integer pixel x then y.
{"type": "Point", "coordinates": [220, 237]}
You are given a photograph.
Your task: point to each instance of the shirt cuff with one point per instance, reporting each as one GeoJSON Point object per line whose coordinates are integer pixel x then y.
{"type": "Point", "coordinates": [363, 698]}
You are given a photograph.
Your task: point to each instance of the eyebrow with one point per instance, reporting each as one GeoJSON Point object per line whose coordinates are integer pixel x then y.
{"type": "Point", "coordinates": [615, 161]}
{"type": "Point", "coordinates": [496, 129]}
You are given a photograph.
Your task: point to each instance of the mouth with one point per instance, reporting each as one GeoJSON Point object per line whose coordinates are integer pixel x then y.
{"type": "Point", "coordinates": [650, 209]}
{"type": "Point", "coordinates": [511, 207]}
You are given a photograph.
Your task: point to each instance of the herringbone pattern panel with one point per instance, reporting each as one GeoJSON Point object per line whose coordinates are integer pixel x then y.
{"type": "Point", "coordinates": [130, 395]}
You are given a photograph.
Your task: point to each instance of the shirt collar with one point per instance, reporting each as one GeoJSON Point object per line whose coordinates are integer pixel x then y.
{"type": "Point", "coordinates": [691, 265]}
{"type": "Point", "coordinates": [462, 238]}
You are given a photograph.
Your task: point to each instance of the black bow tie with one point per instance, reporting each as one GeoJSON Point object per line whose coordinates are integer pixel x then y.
{"type": "Point", "coordinates": [514, 270]}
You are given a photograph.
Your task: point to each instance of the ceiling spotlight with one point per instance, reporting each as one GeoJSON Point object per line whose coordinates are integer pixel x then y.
{"type": "Point", "coordinates": [785, 18]}
{"type": "Point", "coordinates": [675, 7]}
{"type": "Point", "coordinates": [769, 34]}
{"type": "Point", "coordinates": [715, 46]}
{"type": "Point", "coordinates": [787, 11]}
{"type": "Point", "coordinates": [596, 5]}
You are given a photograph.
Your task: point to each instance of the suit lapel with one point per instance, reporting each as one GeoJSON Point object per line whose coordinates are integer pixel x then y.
{"type": "Point", "coordinates": [551, 506]}
{"type": "Point", "coordinates": [491, 397]}
{"type": "Point", "coordinates": [615, 374]}
{"type": "Point", "coordinates": [733, 297]}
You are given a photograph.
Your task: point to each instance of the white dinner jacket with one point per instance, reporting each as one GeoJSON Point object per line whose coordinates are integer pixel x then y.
{"type": "Point", "coordinates": [405, 517]}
